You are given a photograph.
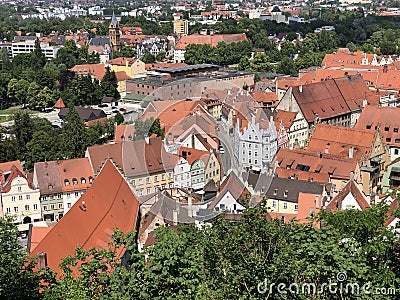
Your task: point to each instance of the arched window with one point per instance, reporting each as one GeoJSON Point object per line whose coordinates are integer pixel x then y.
{"type": "Point", "coordinates": [66, 182]}
{"type": "Point", "coordinates": [74, 181]}
{"type": "Point", "coordinates": [83, 180]}
{"type": "Point", "coordinates": [90, 179]}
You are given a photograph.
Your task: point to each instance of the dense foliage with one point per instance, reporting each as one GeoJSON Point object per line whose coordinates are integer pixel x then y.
{"type": "Point", "coordinates": [240, 261]}
{"type": "Point", "coordinates": [34, 139]}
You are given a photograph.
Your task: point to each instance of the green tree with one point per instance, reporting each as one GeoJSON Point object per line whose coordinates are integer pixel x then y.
{"type": "Point", "coordinates": [74, 135]}
{"type": "Point", "coordinates": [38, 58]}
{"type": "Point", "coordinates": [109, 84]}
{"type": "Point", "coordinates": [23, 131]}
{"type": "Point", "coordinates": [148, 58]}
{"type": "Point", "coordinates": [16, 270]}
{"type": "Point", "coordinates": [147, 128]}
{"type": "Point", "coordinates": [44, 146]}
{"type": "Point", "coordinates": [119, 118]}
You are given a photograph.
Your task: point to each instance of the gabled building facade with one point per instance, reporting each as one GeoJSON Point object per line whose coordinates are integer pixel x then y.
{"type": "Point", "coordinates": [256, 144]}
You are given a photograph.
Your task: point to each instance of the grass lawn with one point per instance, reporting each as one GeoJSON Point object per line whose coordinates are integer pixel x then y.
{"type": "Point", "coordinates": [10, 111]}
{"type": "Point", "coordinates": [4, 119]}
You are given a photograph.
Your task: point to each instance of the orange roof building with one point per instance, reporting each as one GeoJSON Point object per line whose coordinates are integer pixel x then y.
{"type": "Point", "coordinates": [107, 205]}
{"type": "Point", "coordinates": [386, 120]}
{"type": "Point", "coordinates": [59, 104]}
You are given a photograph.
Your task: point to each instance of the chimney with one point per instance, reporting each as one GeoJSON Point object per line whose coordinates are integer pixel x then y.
{"type": "Point", "coordinates": [351, 175]}
{"type": "Point", "coordinates": [300, 88]}
{"type": "Point", "coordinates": [317, 204]}
{"type": "Point", "coordinates": [351, 152]}
{"type": "Point", "coordinates": [42, 260]}
{"type": "Point", "coordinates": [190, 208]}
{"type": "Point", "coordinates": [385, 69]}
{"type": "Point", "coordinates": [327, 148]}
{"type": "Point", "coordinates": [175, 217]}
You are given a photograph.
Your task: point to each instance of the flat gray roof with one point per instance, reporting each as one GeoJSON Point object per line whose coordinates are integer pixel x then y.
{"type": "Point", "coordinates": [187, 68]}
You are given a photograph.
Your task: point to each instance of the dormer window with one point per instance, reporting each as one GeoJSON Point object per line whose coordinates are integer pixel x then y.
{"type": "Point", "coordinates": [90, 179]}
{"type": "Point", "coordinates": [83, 180]}
{"type": "Point", "coordinates": [66, 182]}
{"type": "Point", "coordinates": [275, 192]}
{"type": "Point", "coordinates": [74, 181]}
{"type": "Point", "coordinates": [285, 194]}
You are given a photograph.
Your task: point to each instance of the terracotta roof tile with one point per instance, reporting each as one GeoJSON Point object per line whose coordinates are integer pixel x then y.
{"type": "Point", "coordinates": [387, 118]}
{"type": "Point", "coordinates": [108, 204]}
{"type": "Point", "coordinates": [336, 167]}
{"type": "Point", "coordinates": [212, 40]}
{"type": "Point", "coordinates": [338, 140]}
{"type": "Point", "coordinates": [350, 188]}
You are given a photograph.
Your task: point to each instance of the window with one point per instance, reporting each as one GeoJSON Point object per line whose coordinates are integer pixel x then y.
{"type": "Point", "coordinates": [83, 180]}
{"type": "Point", "coordinates": [386, 128]}
{"type": "Point", "coordinates": [60, 205]}
{"type": "Point", "coordinates": [44, 198]}
{"type": "Point", "coordinates": [13, 198]}
{"type": "Point", "coordinates": [275, 192]}
{"type": "Point", "coordinates": [285, 193]}
{"type": "Point", "coordinates": [52, 206]}
{"type": "Point", "coordinates": [8, 210]}
{"type": "Point", "coordinates": [76, 194]}
{"type": "Point", "coordinates": [66, 182]}
{"type": "Point", "coordinates": [255, 153]}
{"type": "Point", "coordinates": [133, 182]}
{"type": "Point", "coordinates": [69, 204]}
{"type": "Point", "coordinates": [148, 179]}
{"type": "Point", "coordinates": [74, 181]}
{"type": "Point", "coordinates": [59, 196]}
{"type": "Point", "coordinates": [155, 178]}
{"type": "Point", "coordinates": [15, 209]}
{"type": "Point", "coordinates": [68, 195]}
{"type": "Point", "coordinates": [296, 207]}
{"type": "Point", "coordinates": [148, 191]}
{"type": "Point", "coordinates": [28, 197]}
{"type": "Point", "coordinates": [396, 151]}
{"type": "Point", "coordinates": [141, 192]}
{"type": "Point", "coordinates": [26, 207]}
{"type": "Point", "coordinates": [395, 130]}
{"type": "Point", "coordinates": [140, 181]}
{"type": "Point", "coordinates": [285, 205]}
{"type": "Point", "coordinates": [90, 179]}
{"type": "Point", "coordinates": [20, 197]}
{"type": "Point", "coordinates": [388, 140]}
{"type": "Point", "coordinates": [19, 189]}
{"type": "Point", "coordinates": [273, 203]}
{"type": "Point", "coordinates": [35, 206]}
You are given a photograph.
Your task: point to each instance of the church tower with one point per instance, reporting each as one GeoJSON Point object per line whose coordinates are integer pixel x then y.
{"type": "Point", "coordinates": [113, 33]}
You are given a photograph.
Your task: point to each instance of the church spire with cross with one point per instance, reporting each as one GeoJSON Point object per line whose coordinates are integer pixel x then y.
{"type": "Point", "coordinates": [113, 33]}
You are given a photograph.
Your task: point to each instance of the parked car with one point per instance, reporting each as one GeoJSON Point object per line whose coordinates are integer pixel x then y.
{"type": "Point", "coordinates": [122, 109]}
{"type": "Point", "coordinates": [103, 105]}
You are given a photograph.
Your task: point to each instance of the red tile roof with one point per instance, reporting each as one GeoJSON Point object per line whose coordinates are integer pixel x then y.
{"type": "Point", "coordinates": [191, 155]}
{"type": "Point", "coordinates": [302, 175]}
{"type": "Point", "coordinates": [387, 118]}
{"type": "Point", "coordinates": [212, 40]}
{"type": "Point", "coordinates": [287, 118]}
{"type": "Point", "coordinates": [96, 70]}
{"type": "Point", "coordinates": [37, 234]}
{"type": "Point", "coordinates": [124, 133]}
{"type": "Point", "coordinates": [63, 175]}
{"type": "Point", "coordinates": [59, 104]}
{"type": "Point", "coordinates": [336, 167]}
{"type": "Point", "coordinates": [338, 140]}
{"type": "Point", "coordinates": [350, 188]}
{"type": "Point", "coordinates": [150, 67]}
{"type": "Point", "coordinates": [108, 204]}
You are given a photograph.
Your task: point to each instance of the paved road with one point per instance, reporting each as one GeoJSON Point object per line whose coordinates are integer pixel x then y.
{"type": "Point", "coordinates": [227, 158]}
